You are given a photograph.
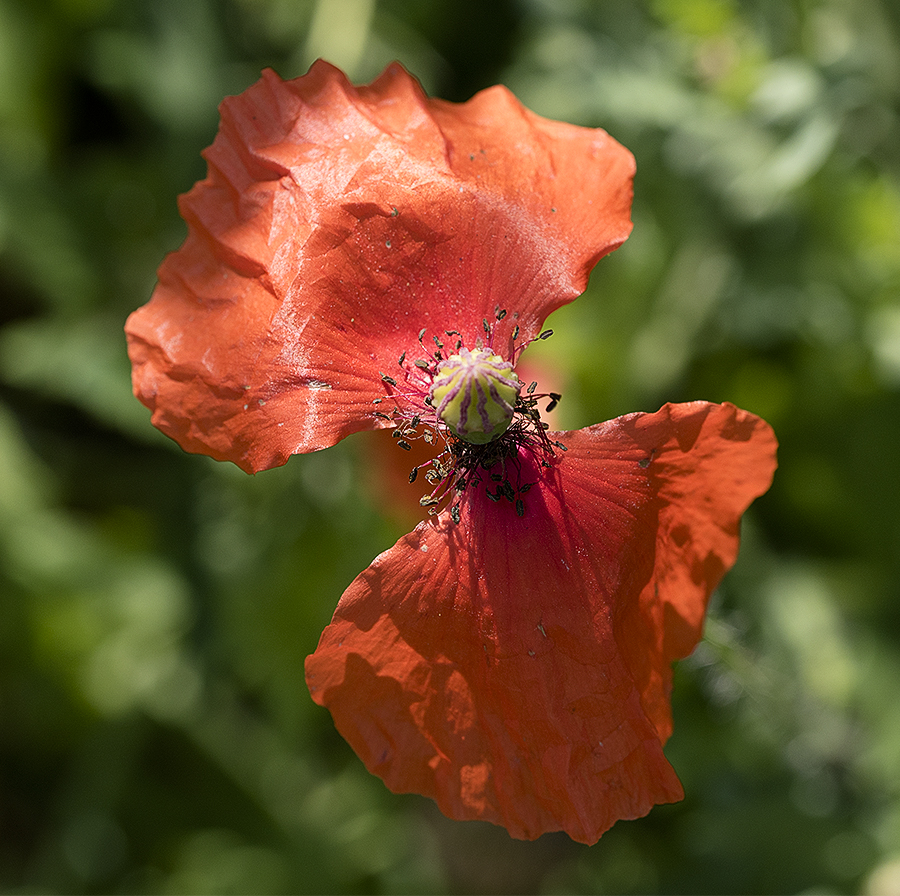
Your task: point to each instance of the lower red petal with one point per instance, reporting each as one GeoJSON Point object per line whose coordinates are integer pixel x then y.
{"type": "Point", "coordinates": [517, 670]}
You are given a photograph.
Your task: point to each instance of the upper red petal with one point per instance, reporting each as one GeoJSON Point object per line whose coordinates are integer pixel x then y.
{"type": "Point", "coordinates": [334, 224]}
{"type": "Point", "coordinates": [517, 670]}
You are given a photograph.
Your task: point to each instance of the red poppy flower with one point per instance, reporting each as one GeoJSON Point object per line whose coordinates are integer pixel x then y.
{"type": "Point", "coordinates": [360, 258]}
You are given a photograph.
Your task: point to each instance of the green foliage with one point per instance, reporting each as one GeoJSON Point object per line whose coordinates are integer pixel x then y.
{"type": "Point", "coordinates": [156, 608]}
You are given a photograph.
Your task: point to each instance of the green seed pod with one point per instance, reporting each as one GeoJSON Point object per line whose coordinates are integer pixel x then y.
{"type": "Point", "coordinates": [475, 393]}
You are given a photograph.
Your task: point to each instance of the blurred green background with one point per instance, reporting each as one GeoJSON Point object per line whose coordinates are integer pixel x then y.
{"type": "Point", "coordinates": [155, 730]}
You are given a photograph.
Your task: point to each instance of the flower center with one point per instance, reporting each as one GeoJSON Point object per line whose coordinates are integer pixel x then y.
{"type": "Point", "coordinates": [475, 394]}
{"type": "Point", "coordinates": [471, 403]}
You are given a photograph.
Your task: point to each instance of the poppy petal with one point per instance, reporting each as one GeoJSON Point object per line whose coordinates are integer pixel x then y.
{"type": "Point", "coordinates": [517, 670]}
{"type": "Point", "coordinates": [334, 224]}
